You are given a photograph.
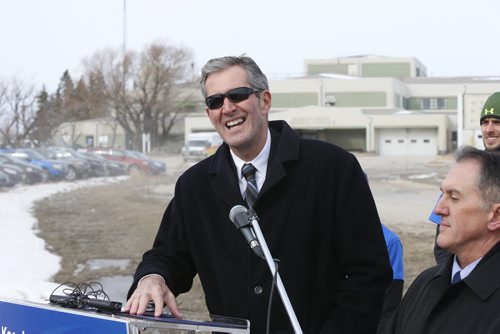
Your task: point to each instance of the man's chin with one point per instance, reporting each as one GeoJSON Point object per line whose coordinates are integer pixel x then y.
{"type": "Point", "coordinates": [493, 146]}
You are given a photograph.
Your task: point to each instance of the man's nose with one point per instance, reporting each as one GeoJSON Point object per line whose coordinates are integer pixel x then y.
{"type": "Point", "coordinates": [227, 105]}
{"type": "Point", "coordinates": [489, 126]}
{"type": "Point", "coordinates": [440, 208]}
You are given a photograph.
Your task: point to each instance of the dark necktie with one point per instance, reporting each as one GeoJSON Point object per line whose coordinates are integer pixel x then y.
{"type": "Point", "coordinates": [248, 171]}
{"type": "Point", "coordinates": [456, 278]}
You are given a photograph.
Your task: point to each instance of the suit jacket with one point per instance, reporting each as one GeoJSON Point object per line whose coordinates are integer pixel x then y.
{"type": "Point", "coordinates": [319, 219]}
{"type": "Point", "coordinates": [432, 305]}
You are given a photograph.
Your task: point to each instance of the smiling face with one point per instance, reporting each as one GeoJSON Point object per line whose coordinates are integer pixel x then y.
{"type": "Point", "coordinates": [242, 125]}
{"type": "Point", "coordinates": [464, 225]}
{"type": "Point", "coordinates": [490, 129]}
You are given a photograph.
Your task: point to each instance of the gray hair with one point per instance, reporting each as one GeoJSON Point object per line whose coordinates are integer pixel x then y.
{"type": "Point", "coordinates": [256, 78]}
{"type": "Point", "coordinates": [488, 180]}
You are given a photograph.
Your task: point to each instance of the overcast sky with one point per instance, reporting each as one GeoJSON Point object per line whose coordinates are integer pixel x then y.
{"type": "Point", "coordinates": [39, 39]}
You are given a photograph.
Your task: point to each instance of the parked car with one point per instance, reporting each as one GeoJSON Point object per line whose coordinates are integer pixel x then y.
{"type": "Point", "coordinates": [15, 174]}
{"type": "Point", "coordinates": [4, 179]}
{"type": "Point", "coordinates": [155, 166]}
{"type": "Point", "coordinates": [77, 168]}
{"type": "Point", "coordinates": [56, 170]}
{"type": "Point", "coordinates": [136, 164]}
{"type": "Point", "coordinates": [32, 172]}
{"type": "Point", "coordinates": [97, 167]}
{"type": "Point", "coordinates": [199, 145]}
{"type": "Point", "coordinates": [114, 167]}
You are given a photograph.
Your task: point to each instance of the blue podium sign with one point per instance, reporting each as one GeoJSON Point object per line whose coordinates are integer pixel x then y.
{"type": "Point", "coordinates": [23, 317]}
{"type": "Point", "coordinates": [28, 318]}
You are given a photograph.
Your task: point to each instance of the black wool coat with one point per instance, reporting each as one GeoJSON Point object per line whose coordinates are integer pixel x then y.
{"type": "Point", "coordinates": [318, 217]}
{"type": "Point", "coordinates": [432, 305]}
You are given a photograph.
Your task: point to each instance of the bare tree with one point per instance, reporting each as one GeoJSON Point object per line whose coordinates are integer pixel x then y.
{"type": "Point", "coordinates": [142, 90]}
{"type": "Point", "coordinates": [17, 110]}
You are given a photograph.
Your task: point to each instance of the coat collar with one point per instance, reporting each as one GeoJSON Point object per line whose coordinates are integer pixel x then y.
{"type": "Point", "coordinates": [285, 144]}
{"type": "Point", "coordinates": [484, 280]}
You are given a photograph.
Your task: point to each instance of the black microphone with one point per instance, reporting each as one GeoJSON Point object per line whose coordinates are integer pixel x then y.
{"type": "Point", "coordinates": [103, 305]}
{"type": "Point", "coordinates": [240, 218]}
{"type": "Point", "coordinates": [66, 301]}
{"type": "Point", "coordinates": [81, 302]}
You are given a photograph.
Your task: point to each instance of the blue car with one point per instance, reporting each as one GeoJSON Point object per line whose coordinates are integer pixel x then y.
{"type": "Point", "coordinates": [56, 170]}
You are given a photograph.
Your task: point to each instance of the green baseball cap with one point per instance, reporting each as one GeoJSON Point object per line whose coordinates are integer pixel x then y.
{"type": "Point", "coordinates": [491, 107]}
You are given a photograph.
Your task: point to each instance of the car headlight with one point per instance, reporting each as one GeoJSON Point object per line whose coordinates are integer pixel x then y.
{"type": "Point", "coordinates": [58, 166]}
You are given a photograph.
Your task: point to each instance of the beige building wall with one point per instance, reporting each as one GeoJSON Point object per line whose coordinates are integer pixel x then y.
{"type": "Point", "coordinates": [354, 65]}
{"type": "Point", "coordinates": [103, 131]}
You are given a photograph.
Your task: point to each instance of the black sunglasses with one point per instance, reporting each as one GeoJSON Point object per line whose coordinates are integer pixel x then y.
{"type": "Point", "coordinates": [234, 95]}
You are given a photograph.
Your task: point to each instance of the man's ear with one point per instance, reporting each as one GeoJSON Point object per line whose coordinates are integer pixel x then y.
{"type": "Point", "coordinates": [494, 223]}
{"type": "Point", "coordinates": [265, 101]}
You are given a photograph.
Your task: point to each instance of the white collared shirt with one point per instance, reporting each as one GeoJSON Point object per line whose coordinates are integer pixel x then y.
{"type": "Point", "coordinates": [465, 271]}
{"type": "Point", "coordinates": [260, 163]}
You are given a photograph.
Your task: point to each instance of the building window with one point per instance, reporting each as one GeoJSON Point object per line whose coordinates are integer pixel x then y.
{"type": "Point", "coordinates": [330, 100]}
{"type": "Point", "coordinates": [352, 69]}
{"type": "Point", "coordinates": [434, 103]}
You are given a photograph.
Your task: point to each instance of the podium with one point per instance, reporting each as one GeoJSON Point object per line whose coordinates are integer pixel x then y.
{"type": "Point", "coordinates": [22, 317]}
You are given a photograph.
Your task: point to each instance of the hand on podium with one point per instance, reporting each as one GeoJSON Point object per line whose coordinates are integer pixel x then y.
{"type": "Point", "coordinates": [152, 288]}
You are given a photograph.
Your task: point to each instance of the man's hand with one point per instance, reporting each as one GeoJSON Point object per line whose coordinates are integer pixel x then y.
{"type": "Point", "coordinates": [152, 288]}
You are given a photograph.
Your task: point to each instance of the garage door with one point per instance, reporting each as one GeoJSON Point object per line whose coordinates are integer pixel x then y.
{"type": "Point", "coordinates": [407, 141]}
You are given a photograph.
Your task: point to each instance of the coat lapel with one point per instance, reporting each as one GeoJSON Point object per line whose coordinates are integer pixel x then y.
{"type": "Point", "coordinates": [285, 146]}
{"type": "Point", "coordinates": [484, 280]}
{"type": "Point", "coordinates": [439, 283]}
{"type": "Point", "coordinates": [224, 179]}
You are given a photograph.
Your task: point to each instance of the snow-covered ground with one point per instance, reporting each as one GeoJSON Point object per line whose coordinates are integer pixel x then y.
{"type": "Point", "coordinates": [27, 266]}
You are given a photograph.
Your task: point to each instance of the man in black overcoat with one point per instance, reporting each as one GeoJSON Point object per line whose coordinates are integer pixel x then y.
{"type": "Point", "coordinates": [315, 210]}
{"type": "Point", "coordinates": [462, 294]}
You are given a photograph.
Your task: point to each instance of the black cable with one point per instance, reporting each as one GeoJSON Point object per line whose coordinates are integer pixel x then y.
{"type": "Point", "coordinates": [86, 296]}
{"type": "Point", "coordinates": [271, 293]}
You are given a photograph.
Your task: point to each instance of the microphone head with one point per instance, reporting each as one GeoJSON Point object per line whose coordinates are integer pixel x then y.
{"type": "Point", "coordinates": [236, 210]}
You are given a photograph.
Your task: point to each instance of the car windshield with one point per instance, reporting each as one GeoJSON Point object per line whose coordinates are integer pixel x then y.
{"type": "Point", "coordinates": [95, 156]}
{"type": "Point", "coordinates": [79, 155]}
{"type": "Point", "coordinates": [198, 143]}
{"type": "Point", "coordinates": [31, 154]}
{"type": "Point", "coordinates": [137, 154]}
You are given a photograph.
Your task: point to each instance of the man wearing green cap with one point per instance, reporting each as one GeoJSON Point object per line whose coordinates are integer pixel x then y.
{"type": "Point", "coordinates": [490, 131]}
{"type": "Point", "coordinates": [490, 123]}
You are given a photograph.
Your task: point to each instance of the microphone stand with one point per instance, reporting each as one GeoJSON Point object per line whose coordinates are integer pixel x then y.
{"type": "Point", "coordinates": [272, 267]}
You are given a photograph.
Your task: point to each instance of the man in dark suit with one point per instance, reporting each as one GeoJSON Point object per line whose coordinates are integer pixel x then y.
{"type": "Point", "coordinates": [461, 295]}
{"type": "Point", "coordinates": [315, 208]}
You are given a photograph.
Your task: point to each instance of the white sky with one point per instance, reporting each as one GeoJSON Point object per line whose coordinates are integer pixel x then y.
{"type": "Point", "coordinates": [26, 265]}
{"type": "Point", "coordinates": [40, 39]}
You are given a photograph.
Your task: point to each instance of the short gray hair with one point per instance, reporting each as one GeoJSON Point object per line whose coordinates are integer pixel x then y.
{"type": "Point", "coordinates": [256, 78]}
{"type": "Point", "coordinates": [488, 180]}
